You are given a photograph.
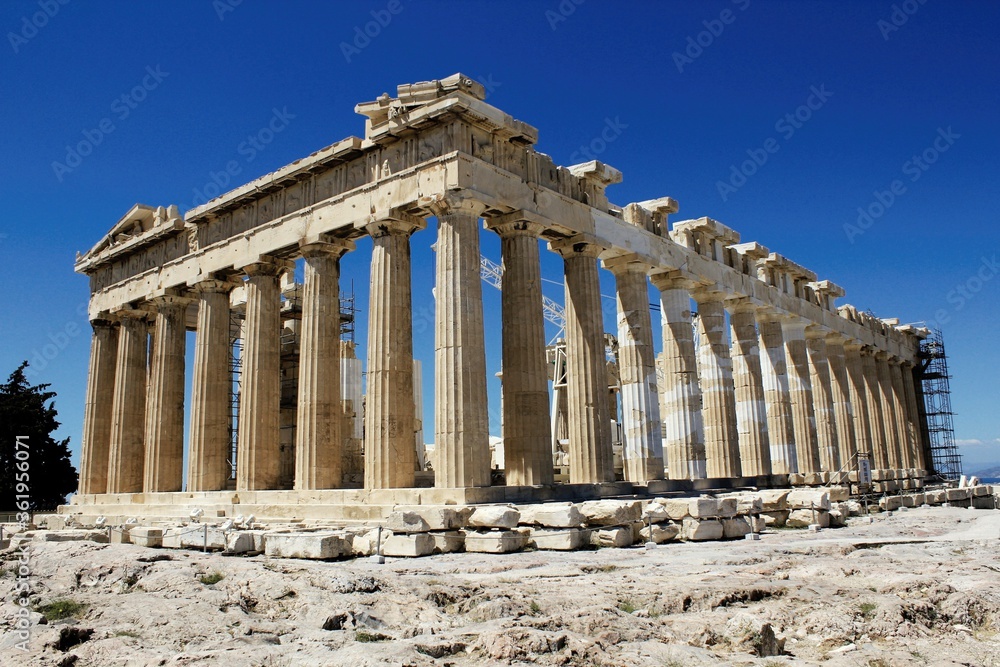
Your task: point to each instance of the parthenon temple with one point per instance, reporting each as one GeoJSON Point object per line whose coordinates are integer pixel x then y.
{"type": "Point", "coordinates": [761, 379]}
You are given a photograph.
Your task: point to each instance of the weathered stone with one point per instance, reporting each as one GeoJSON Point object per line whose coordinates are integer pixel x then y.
{"type": "Point", "coordinates": [554, 515]}
{"type": "Point", "coordinates": [775, 519]}
{"type": "Point", "coordinates": [677, 508]}
{"type": "Point", "coordinates": [610, 512]}
{"type": "Point", "coordinates": [494, 516]}
{"type": "Point", "coordinates": [406, 522]}
{"type": "Point", "coordinates": [315, 546]}
{"type": "Point", "coordinates": [802, 518]}
{"type": "Point", "coordinates": [411, 545]}
{"type": "Point", "coordinates": [727, 507]}
{"type": "Point", "coordinates": [567, 539]}
{"type": "Point", "coordinates": [808, 498]}
{"type": "Point", "coordinates": [838, 494]}
{"type": "Point", "coordinates": [704, 507]}
{"type": "Point", "coordinates": [702, 529]}
{"type": "Point", "coordinates": [774, 500]}
{"type": "Point", "coordinates": [240, 542]}
{"type": "Point", "coordinates": [495, 541]}
{"type": "Point", "coordinates": [661, 532]}
{"type": "Point", "coordinates": [448, 541]}
{"type": "Point", "coordinates": [735, 528]}
{"type": "Point", "coordinates": [612, 537]}
{"type": "Point", "coordinates": [72, 535]}
{"type": "Point", "coordinates": [655, 513]}
{"type": "Point", "coordinates": [143, 536]}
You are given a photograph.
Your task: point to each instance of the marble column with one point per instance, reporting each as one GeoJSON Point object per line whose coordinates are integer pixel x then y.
{"type": "Point", "coordinates": [913, 415]}
{"type": "Point", "coordinates": [211, 389]}
{"type": "Point", "coordinates": [820, 381]}
{"type": "Point", "coordinates": [591, 458]}
{"type": "Point", "coordinates": [751, 409]}
{"type": "Point", "coordinates": [461, 411]}
{"type": "Point", "coordinates": [800, 395]}
{"type": "Point", "coordinates": [128, 406]}
{"type": "Point", "coordinates": [258, 451]}
{"type": "Point", "coordinates": [843, 409]}
{"type": "Point", "coordinates": [680, 395]}
{"type": "Point", "coordinates": [905, 444]}
{"type": "Point", "coordinates": [718, 393]}
{"type": "Point", "coordinates": [318, 442]}
{"type": "Point", "coordinates": [643, 447]}
{"type": "Point", "coordinates": [774, 377]}
{"type": "Point", "coordinates": [164, 469]}
{"type": "Point", "coordinates": [864, 439]}
{"type": "Point", "coordinates": [97, 410]}
{"type": "Point", "coordinates": [888, 409]}
{"type": "Point", "coordinates": [876, 418]}
{"type": "Point", "coordinates": [527, 433]}
{"type": "Point", "coordinates": [390, 451]}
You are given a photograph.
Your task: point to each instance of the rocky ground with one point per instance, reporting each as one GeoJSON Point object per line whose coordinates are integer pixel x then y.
{"type": "Point", "coordinates": [920, 587]}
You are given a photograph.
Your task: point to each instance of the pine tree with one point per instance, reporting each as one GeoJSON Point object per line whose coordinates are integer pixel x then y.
{"type": "Point", "coordinates": [27, 421]}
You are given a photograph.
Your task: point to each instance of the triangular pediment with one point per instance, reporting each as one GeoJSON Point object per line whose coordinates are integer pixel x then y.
{"type": "Point", "coordinates": [141, 225]}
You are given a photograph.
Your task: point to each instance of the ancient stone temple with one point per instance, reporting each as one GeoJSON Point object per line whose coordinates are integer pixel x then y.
{"type": "Point", "coordinates": [763, 379]}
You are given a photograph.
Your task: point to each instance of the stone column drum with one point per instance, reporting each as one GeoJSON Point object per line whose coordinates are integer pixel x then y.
{"type": "Point", "coordinates": [390, 451]}
{"type": "Point", "coordinates": [527, 433]}
{"type": "Point", "coordinates": [643, 447]}
{"type": "Point", "coordinates": [128, 407]}
{"type": "Point", "coordinates": [774, 379]}
{"type": "Point", "coordinates": [800, 394]}
{"type": "Point", "coordinates": [680, 393]}
{"type": "Point", "coordinates": [97, 410]}
{"type": "Point", "coordinates": [591, 458]}
{"type": "Point", "coordinates": [461, 417]}
{"type": "Point", "coordinates": [751, 410]}
{"type": "Point", "coordinates": [318, 442]}
{"type": "Point", "coordinates": [211, 389]}
{"type": "Point", "coordinates": [905, 443]}
{"type": "Point", "coordinates": [888, 408]}
{"type": "Point", "coordinates": [913, 416]}
{"type": "Point", "coordinates": [820, 380]}
{"type": "Point", "coordinates": [715, 368]}
{"type": "Point", "coordinates": [843, 409]}
{"type": "Point", "coordinates": [258, 463]}
{"type": "Point", "coordinates": [164, 469]}
{"type": "Point", "coordinates": [859, 400]}
{"type": "Point", "coordinates": [873, 399]}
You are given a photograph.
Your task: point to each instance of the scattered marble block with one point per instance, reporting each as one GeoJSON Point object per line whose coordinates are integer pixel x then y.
{"type": "Point", "coordinates": [240, 542]}
{"type": "Point", "coordinates": [661, 532]}
{"type": "Point", "coordinates": [736, 528]}
{"type": "Point", "coordinates": [775, 519]}
{"type": "Point", "coordinates": [408, 545]}
{"type": "Point", "coordinates": [703, 508]}
{"type": "Point", "coordinates": [655, 513]}
{"type": "Point", "coordinates": [802, 518]}
{"type": "Point", "coordinates": [814, 478]}
{"type": "Point", "coordinates": [727, 507]}
{"type": "Point", "coordinates": [313, 546]}
{"type": "Point", "coordinates": [808, 498]}
{"type": "Point", "coordinates": [612, 537]}
{"type": "Point", "coordinates": [495, 541]}
{"type": "Point", "coordinates": [796, 479]}
{"type": "Point", "coordinates": [72, 535]}
{"type": "Point", "coordinates": [677, 508]}
{"type": "Point", "coordinates": [611, 512]}
{"type": "Point", "coordinates": [554, 515]}
{"type": "Point", "coordinates": [423, 519]}
{"type": "Point", "coordinates": [839, 494]}
{"type": "Point", "coordinates": [773, 500]}
{"type": "Point", "coordinates": [494, 516]}
{"type": "Point", "coordinates": [448, 541]}
{"type": "Point", "coordinates": [146, 537]}
{"type": "Point", "coordinates": [567, 539]}
{"type": "Point", "coordinates": [956, 494]}
{"type": "Point", "coordinates": [698, 530]}
{"type": "Point", "coordinates": [121, 535]}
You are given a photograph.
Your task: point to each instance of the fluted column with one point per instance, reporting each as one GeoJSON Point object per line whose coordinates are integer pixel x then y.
{"type": "Point", "coordinates": [820, 381]}
{"type": "Point", "coordinates": [591, 458]}
{"type": "Point", "coordinates": [258, 451]}
{"type": "Point", "coordinates": [318, 442]}
{"type": "Point", "coordinates": [527, 433]}
{"type": "Point", "coordinates": [718, 393]}
{"type": "Point", "coordinates": [461, 412]}
{"type": "Point", "coordinates": [643, 449]}
{"type": "Point", "coordinates": [164, 469]}
{"type": "Point", "coordinates": [905, 444]}
{"type": "Point", "coordinates": [680, 395]}
{"type": "Point", "coordinates": [913, 416]}
{"type": "Point", "coordinates": [800, 395]}
{"type": "Point", "coordinates": [390, 450]}
{"type": "Point", "coordinates": [128, 407]}
{"type": "Point", "coordinates": [751, 409]}
{"type": "Point", "coordinates": [888, 408]}
{"type": "Point", "coordinates": [774, 376]}
{"type": "Point", "coordinates": [96, 441]}
{"type": "Point", "coordinates": [843, 409]}
{"type": "Point", "coordinates": [876, 418]}
{"type": "Point", "coordinates": [859, 401]}
{"type": "Point", "coordinates": [211, 389]}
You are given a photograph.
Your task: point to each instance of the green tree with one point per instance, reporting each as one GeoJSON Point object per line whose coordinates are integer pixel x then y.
{"type": "Point", "coordinates": [27, 421]}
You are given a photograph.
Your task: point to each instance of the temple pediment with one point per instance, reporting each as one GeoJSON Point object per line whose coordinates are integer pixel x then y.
{"type": "Point", "coordinates": [141, 226]}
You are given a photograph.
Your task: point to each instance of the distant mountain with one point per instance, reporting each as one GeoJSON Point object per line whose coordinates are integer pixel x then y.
{"type": "Point", "coordinates": [989, 471]}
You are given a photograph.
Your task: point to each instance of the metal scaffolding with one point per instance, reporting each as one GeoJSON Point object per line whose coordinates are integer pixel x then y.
{"type": "Point", "coordinates": [937, 428]}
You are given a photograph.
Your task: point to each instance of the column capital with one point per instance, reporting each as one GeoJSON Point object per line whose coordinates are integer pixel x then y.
{"type": "Point", "coordinates": [266, 265]}
{"type": "Point", "coordinates": [167, 298]}
{"type": "Point", "coordinates": [581, 245]}
{"type": "Point", "coordinates": [816, 331]}
{"type": "Point", "coordinates": [140, 312]}
{"type": "Point", "coordinates": [836, 338]}
{"type": "Point", "coordinates": [670, 280]}
{"type": "Point", "coordinates": [630, 263]}
{"type": "Point", "coordinates": [741, 304]}
{"type": "Point", "coordinates": [517, 223]}
{"type": "Point", "coordinates": [103, 320]}
{"type": "Point", "coordinates": [851, 345]}
{"type": "Point", "coordinates": [394, 223]}
{"type": "Point", "coordinates": [214, 284]}
{"type": "Point", "coordinates": [769, 314]}
{"type": "Point", "coordinates": [325, 246]}
{"type": "Point", "coordinates": [452, 204]}
{"type": "Point", "coordinates": [709, 294]}
{"type": "Point", "coordinates": [882, 355]}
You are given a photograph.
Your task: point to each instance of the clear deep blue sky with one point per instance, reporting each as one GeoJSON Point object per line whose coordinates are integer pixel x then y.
{"type": "Point", "coordinates": [211, 75]}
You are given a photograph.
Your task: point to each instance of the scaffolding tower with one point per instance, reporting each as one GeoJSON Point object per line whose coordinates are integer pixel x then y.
{"type": "Point", "coordinates": [937, 428]}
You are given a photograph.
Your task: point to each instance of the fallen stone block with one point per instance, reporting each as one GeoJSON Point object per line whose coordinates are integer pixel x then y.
{"type": "Point", "coordinates": [554, 515]}
{"type": "Point", "coordinates": [773, 500]}
{"type": "Point", "coordinates": [802, 518]}
{"type": "Point", "coordinates": [890, 503]}
{"type": "Point", "coordinates": [655, 513]}
{"type": "Point", "coordinates": [72, 535]}
{"type": "Point", "coordinates": [749, 503]}
{"type": "Point", "coordinates": [423, 519]}
{"type": "Point", "coordinates": [408, 545]}
{"type": "Point", "coordinates": [727, 507]}
{"type": "Point", "coordinates": [195, 539]}
{"type": "Point", "coordinates": [495, 541]}
{"type": "Point", "coordinates": [449, 541]}
{"type": "Point", "coordinates": [612, 537]}
{"type": "Point", "coordinates": [703, 508]}
{"type": "Point", "coordinates": [661, 532]}
{"type": "Point", "coordinates": [121, 535]}
{"type": "Point", "coordinates": [954, 495]}
{"type": "Point", "coordinates": [796, 479]}
{"type": "Point", "coordinates": [240, 542]}
{"type": "Point", "coordinates": [736, 528]}
{"type": "Point", "coordinates": [838, 494]}
{"type": "Point", "coordinates": [611, 512]}
{"type": "Point", "coordinates": [838, 518]}
{"type": "Point", "coordinates": [775, 519]}
{"type": "Point", "coordinates": [313, 546]}
{"type": "Point", "coordinates": [144, 536]}
{"type": "Point", "coordinates": [808, 498]}
{"type": "Point", "coordinates": [677, 508]}
{"type": "Point", "coordinates": [494, 516]}
{"type": "Point", "coordinates": [935, 497]}
{"type": "Point", "coordinates": [698, 530]}
{"type": "Point", "coordinates": [981, 490]}
{"type": "Point", "coordinates": [814, 479]}
{"type": "Point", "coordinates": [55, 522]}
{"type": "Point", "coordinates": [567, 539]}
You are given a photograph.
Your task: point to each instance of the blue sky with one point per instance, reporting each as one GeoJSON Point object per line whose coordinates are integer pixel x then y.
{"type": "Point", "coordinates": [856, 138]}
